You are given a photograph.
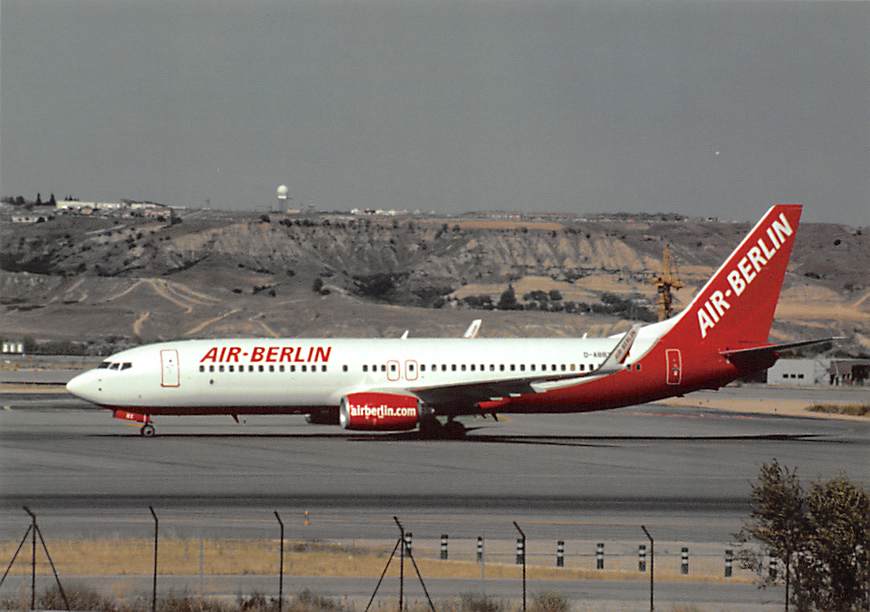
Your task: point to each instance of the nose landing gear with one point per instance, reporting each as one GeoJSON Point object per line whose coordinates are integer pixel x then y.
{"type": "Point", "coordinates": [147, 430]}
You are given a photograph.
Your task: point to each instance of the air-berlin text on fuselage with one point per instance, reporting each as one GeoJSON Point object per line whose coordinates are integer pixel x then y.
{"type": "Point", "coordinates": [747, 269]}
{"type": "Point", "coordinates": [268, 354]}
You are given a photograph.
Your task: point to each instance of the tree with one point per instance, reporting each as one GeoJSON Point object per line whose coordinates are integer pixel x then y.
{"type": "Point", "coordinates": [52, 201]}
{"type": "Point", "coordinates": [508, 299]}
{"type": "Point", "coordinates": [834, 565]}
{"type": "Point", "coordinates": [38, 199]}
{"type": "Point", "coordinates": [823, 537]}
{"type": "Point", "coordinates": [777, 519]}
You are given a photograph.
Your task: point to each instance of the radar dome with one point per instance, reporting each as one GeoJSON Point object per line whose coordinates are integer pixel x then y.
{"type": "Point", "coordinates": [282, 192]}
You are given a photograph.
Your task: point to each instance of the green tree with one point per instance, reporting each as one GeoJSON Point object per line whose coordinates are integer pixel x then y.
{"type": "Point", "coordinates": [508, 299]}
{"type": "Point", "coordinates": [834, 564]}
{"type": "Point", "coordinates": [822, 536]}
{"type": "Point", "coordinates": [777, 519]}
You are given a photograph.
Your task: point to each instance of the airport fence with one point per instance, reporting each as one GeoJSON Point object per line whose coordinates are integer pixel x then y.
{"type": "Point", "coordinates": [183, 554]}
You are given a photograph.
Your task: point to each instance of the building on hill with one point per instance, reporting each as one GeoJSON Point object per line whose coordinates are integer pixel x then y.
{"type": "Point", "coordinates": [30, 218]}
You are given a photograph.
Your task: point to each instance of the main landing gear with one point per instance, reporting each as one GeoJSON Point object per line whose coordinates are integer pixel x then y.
{"type": "Point", "coordinates": [147, 430]}
{"type": "Point", "coordinates": [433, 428]}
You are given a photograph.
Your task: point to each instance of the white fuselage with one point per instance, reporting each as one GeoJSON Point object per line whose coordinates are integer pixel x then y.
{"type": "Point", "coordinates": [308, 373]}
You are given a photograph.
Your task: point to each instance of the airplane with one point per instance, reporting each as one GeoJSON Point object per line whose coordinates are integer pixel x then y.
{"type": "Point", "coordinates": [402, 384]}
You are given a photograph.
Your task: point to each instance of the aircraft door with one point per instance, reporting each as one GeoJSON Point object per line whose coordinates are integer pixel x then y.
{"type": "Point", "coordinates": [674, 364]}
{"type": "Point", "coordinates": [169, 375]}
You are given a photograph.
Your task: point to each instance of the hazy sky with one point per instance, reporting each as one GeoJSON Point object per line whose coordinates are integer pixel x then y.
{"type": "Point", "coordinates": [699, 107]}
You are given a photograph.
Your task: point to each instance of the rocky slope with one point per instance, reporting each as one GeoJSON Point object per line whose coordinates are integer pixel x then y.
{"type": "Point", "coordinates": [222, 273]}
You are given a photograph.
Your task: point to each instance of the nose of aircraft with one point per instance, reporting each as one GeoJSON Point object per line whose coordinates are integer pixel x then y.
{"type": "Point", "coordinates": [78, 386]}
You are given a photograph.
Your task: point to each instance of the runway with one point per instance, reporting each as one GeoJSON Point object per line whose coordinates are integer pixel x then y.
{"type": "Point", "coordinates": [685, 470]}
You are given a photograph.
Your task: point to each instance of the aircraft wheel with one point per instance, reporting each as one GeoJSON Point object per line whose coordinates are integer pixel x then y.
{"type": "Point", "coordinates": [454, 429]}
{"type": "Point", "coordinates": [432, 428]}
{"type": "Point", "coordinates": [148, 431]}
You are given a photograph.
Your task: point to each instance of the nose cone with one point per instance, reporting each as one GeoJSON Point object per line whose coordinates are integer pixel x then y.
{"type": "Point", "coordinates": [81, 386]}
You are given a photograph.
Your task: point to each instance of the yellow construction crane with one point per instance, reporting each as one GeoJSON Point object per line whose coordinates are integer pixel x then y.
{"type": "Point", "coordinates": [665, 283]}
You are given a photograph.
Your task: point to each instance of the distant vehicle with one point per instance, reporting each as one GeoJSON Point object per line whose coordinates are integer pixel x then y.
{"type": "Point", "coordinates": [406, 383]}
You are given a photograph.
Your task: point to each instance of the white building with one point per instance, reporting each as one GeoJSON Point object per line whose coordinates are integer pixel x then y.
{"type": "Point", "coordinates": [798, 372]}
{"type": "Point", "coordinates": [29, 218]}
{"type": "Point", "coordinates": [13, 347]}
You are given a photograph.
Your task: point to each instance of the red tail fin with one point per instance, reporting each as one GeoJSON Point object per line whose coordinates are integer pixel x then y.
{"type": "Point", "coordinates": [736, 306]}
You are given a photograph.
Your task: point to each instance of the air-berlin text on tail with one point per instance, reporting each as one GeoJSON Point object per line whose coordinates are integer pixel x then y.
{"type": "Point", "coordinates": [746, 270]}
{"type": "Point", "coordinates": [268, 354]}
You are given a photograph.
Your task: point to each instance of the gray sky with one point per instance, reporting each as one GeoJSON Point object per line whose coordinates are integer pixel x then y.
{"type": "Point", "coordinates": [450, 106]}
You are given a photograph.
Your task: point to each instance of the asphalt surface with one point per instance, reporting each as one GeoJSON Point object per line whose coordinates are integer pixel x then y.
{"type": "Point", "coordinates": [686, 469]}
{"type": "Point", "coordinates": [685, 473]}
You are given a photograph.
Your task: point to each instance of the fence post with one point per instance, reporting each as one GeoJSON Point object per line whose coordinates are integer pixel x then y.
{"type": "Point", "coordinates": [599, 556]}
{"type": "Point", "coordinates": [641, 558]}
{"type": "Point", "coordinates": [444, 546]}
{"type": "Point", "coordinates": [729, 560]}
{"type": "Point", "coordinates": [32, 558]}
{"type": "Point", "coordinates": [521, 546]}
{"type": "Point", "coordinates": [154, 582]}
{"type": "Point", "coordinates": [652, 568]}
{"type": "Point", "coordinates": [560, 553]}
{"type": "Point", "coordinates": [684, 562]}
{"type": "Point", "coordinates": [280, 564]}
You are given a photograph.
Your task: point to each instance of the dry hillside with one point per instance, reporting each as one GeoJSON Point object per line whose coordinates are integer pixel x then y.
{"type": "Point", "coordinates": [116, 281]}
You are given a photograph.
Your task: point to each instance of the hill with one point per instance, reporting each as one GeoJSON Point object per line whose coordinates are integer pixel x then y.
{"type": "Point", "coordinates": [114, 281]}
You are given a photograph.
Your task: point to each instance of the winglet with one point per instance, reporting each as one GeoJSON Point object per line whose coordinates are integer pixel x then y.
{"type": "Point", "coordinates": [473, 329]}
{"type": "Point", "coordinates": [616, 359]}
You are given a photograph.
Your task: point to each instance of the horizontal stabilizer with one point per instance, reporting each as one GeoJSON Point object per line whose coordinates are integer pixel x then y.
{"type": "Point", "coordinates": [775, 348]}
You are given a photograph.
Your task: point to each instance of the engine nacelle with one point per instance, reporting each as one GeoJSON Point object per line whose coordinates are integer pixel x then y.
{"type": "Point", "coordinates": [379, 412]}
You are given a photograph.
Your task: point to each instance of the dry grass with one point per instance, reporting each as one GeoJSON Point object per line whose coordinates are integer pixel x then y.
{"type": "Point", "coordinates": [849, 409]}
{"type": "Point", "coordinates": [120, 557]}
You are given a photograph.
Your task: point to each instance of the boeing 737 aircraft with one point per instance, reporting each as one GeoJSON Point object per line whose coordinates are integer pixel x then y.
{"type": "Point", "coordinates": [404, 383]}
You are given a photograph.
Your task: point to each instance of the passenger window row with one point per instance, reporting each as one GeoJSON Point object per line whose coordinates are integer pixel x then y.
{"type": "Point", "coordinates": [392, 367]}
{"type": "Point", "coordinates": [263, 368]}
{"type": "Point", "coordinates": [492, 367]}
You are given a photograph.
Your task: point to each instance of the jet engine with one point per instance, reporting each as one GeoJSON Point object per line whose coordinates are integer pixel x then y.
{"type": "Point", "coordinates": [379, 412]}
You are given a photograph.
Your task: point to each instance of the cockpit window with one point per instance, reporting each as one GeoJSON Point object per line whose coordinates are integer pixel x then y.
{"type": "Point", "coordinates": [126, 365]}
{"type": "Point", "coordinates": [103, 365]}
{"type": "Point", "coordinates": [115, 366]}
